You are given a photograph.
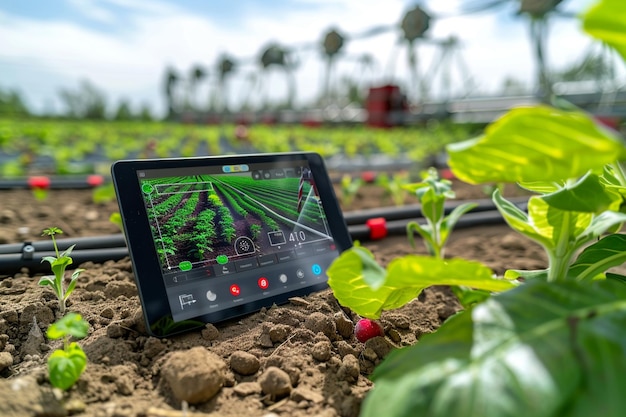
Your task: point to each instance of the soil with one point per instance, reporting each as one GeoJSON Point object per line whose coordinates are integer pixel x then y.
{"type": "Point", "coordinates": [297, 359]}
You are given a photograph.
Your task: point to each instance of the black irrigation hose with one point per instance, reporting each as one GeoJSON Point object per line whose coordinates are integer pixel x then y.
{"type": "Point", "coordinates": [91, 242]}
{"type": "Point", "coordinates": [386, 221]}
{"type": "Point", "coordinates": [13, 263]}
{"type": "Point", "coordinates": [362, 232]}
{"type": "Point", "coordinates": [415, 211]}
{"type": "Point", "coordinates": [54, 183]}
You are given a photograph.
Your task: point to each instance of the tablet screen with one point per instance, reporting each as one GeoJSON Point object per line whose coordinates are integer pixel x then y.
{"type": "Point", "coordinates": [235, 233]}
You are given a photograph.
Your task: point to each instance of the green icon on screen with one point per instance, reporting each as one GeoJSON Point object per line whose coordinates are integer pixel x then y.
{"type": "Point", "coordinates": [147, 188]}
{"type": "Point", "coordinates": [222, 259]}
{"type": "Point", "coordinates": [184, 266]}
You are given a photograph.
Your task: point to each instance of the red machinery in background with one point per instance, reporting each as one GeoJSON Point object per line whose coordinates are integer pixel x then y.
{"type": "Point", "coordinates": [386, 106]}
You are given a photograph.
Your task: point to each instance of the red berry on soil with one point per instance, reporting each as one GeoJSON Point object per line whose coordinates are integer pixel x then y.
{"type": "Point", "coordinates": [366, 329]}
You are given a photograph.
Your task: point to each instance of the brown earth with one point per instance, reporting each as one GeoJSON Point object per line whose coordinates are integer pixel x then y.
{"type": "Point", "coordinates": [298, 359]}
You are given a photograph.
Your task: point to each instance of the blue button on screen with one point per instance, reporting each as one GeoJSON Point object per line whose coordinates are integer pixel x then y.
{"type": "Point", "coordinates": [316, 269]}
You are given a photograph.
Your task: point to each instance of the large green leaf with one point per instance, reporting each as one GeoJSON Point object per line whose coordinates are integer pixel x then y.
{"type": "Point", "coordinates": [517, 219]}
{"type": "Point", "coordinates": [542, 187]}
{"type": "Point", "coordinates": [406, 277]}
{"type": "Point", "coordinates": [587, 195]}
{"type": "Point", "coordinates": [554, 223]}
{"type": "Point", "coordinates": [543, 224]}
{"type": "Point", "coordinates": [535, 144]}
{"type": "Point", "coordinates": [606, 21]}
{"type": "Point", "coordinates": [352, 280]}
{"type": "Point", "coordinates": [600, 224]}
{"type": "Point", "coordinates": [541, 350]}
{"type": "Point", "coordinates": [596, 259]}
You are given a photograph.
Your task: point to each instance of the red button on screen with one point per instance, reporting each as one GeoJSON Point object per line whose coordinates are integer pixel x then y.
{"type": "Point", "coordinates": [263, 283]}
{"type": "Point", "coordinates": [235, 290]}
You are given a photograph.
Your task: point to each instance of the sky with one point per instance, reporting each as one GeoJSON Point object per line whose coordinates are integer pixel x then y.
{"type": "Point", "coordinates": [123, 47]}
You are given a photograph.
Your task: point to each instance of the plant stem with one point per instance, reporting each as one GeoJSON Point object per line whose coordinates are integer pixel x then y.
{"type": "Point", "coordinates": [436, 228]}
{"type": "Point", "coordinates": [54, 242]}
{"type": "Point", "coordinates": [560, 257]}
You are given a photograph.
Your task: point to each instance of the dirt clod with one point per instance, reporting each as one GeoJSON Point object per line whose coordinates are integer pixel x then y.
{"type": "Point", "coordinates": [304, 394]}
{"type": "Point", "coordinates": [247, 388]}
{"type": "Point", "coordinates": [153, 347]}
{"type": "Point", "coordinates": [210, 332]}
{"type": "Point", "coordinates": [25, 397]}
{"type": "Point", "coordinates": [244, 363]}
{"type": "Point", "coordinates": [344, 326]}
{"type": "Point", "coordinates": [399, 321]}
{"type": "Point", "coordinates": [279, 333]}
{"type": "Point", "coordinates": [349, 369]}
{"type": "Point", "coordinates": [321, 351]}
{"type": "Point", "coordinates": [6, 360]}
{"type": "Point", "coordinates": [380, 346]}
{"type": "Point", "coordinates": [319, 322]}
{"type": "Point", "coordinates": [275, 382]}
{"type": "Point", "coordinates": [194, 376]}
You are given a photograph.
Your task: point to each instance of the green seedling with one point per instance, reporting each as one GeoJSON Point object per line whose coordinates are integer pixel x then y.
{"type": "Point", "coordinates": [350, 186]}
{"type": "Point", "coordinates": [116, 219]}
{"type": "Point", "coordinates": [394, 186]}
{"type": "Point", "coordinates": [103, 194]}
{"type": "Point", "coordinates": [432, 193]}
{"type": "Point", "coordinates": [66, 365]}
{"type": "Point", "coordinates": [58, 265]}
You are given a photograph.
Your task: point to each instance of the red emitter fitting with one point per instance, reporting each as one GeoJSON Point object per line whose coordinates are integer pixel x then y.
{"type": "Point", "coordinates": [378, 227]}
{"type": "Point", "coordinates": [39, 182]}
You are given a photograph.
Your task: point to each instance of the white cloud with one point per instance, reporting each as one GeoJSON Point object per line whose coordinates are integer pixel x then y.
{"type": "Point", "coordinates": [92, 10]}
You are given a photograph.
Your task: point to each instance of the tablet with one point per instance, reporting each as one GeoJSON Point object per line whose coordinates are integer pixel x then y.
{"type": "Point", "coordinates": [213, 238]}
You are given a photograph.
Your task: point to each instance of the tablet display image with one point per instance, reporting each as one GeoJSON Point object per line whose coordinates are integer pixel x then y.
{"type": "Point", "coordinates": [231, 237]}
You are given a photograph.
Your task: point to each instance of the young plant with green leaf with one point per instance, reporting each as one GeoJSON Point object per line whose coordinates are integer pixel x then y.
{"type": "Point", "coordinates": [554, 345]}
{"type": "Point", "coordinates": [350, 186]}
{"type": "Point", "coordinates": [116, 219]}
{"type": "Point", "coordinates": [577, 179]}
{"type": "Point", "coordinates": [360, 283]}
{"type": "Point", "coordinates": [394, 186]}
{"type": "Point", "coordinates": [432, 193]}
{"type": "Point", "coordinates": [66, 365]}
{"type": "Point", "coordinates": [58, 265]}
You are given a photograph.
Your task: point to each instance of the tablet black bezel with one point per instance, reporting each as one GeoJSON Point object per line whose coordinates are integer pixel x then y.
{"type": "Point", "coordinates": [152, 292]}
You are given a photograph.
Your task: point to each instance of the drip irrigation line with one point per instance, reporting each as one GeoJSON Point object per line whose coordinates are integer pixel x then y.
{"type": "Point", "coordinates": [90, 242]}
{"type": "Point", "coordinates": [364, 232]}
{"type": "Point", "coordinates": [13, 263]}
{"type": "Point", "coordinates": [54, 182]}
{"type": "Point", "coordinates": [415, 211]}
{"type": "Point", "coordinates": [99, 249]}
{"type": "Point", "coordinates": [352, 218]}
